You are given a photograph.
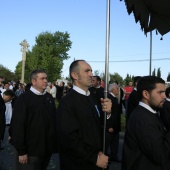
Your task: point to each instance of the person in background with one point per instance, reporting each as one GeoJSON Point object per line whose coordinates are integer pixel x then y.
{"type": "Point", "coordinates": [165, 110]}
{"type": "Point", "coordinates": [68, 88]}
{"type": "Point", "coordinates": [48, 87]}
{"type": "Point", "coordinates": [113, 124]}
{"type": "Point", "coordinates": [97, 91]}
{"type": "Point", "coordinates": [60, 90]}
{"type": "Point", "coordinates": [8, 112]}
{"type": "Point", "coordinates": [133, 100]}
{"type": "Point", "coordinates": [1, 87]}
{"type": "Point", "coordinates": [6, 97]}
{"type": "Point", "coordinates": [120, 97]}
{"type": "Point", "coordinates": [33, 126]}
{"type": "Point", "coordinates": [79, 128]}
{"type": "Point", "coordinates": [10, 85]}
{"type": "Point", "coordinates": [147, 143]}
{"type": "Point", "coordinates": [128, 89]}
{"type": "Point", "coordinates": [53, 90]}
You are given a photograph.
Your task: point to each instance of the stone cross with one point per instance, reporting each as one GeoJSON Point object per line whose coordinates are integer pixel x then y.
{"type": "Point", "coordinates": [24, 47]}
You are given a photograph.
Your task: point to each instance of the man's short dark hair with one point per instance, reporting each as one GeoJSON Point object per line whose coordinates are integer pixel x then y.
{"type": "Point", "coordinates": [167, 92]}
{"type": "Point", "coordinates": [34, 73]}
{"type": "Point", "coordinates": [74, 67]}
{"type": "Point", "coordinates": [97, 78]}
{"type": "Point", "coordinates": [9, 93]}
{"type": "Point", "coordinates": [136, 79]}
{"type": "Point", "coordinates": [148, 83]}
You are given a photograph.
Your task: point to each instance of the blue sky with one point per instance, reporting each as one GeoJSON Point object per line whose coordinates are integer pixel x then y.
{"type": "Point", "coordinates": [85, 21]}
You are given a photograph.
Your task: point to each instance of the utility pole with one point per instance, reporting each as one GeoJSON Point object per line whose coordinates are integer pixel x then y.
{"type": "Point", "coordinates": [24, 47]}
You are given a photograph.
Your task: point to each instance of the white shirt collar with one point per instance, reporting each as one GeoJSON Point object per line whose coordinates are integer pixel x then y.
{"type": "Point", "coordinates": [36, 91]}
{"type": "Point", "coordinates": [135, 88]}
{"type": "Point", "coordinates": [147, 107]}
{"type": "Point", "coordinates": [81, 91]}
{"type": "Point", "coordinates": [97, 87]}
{"type": "Point", "coordinates": [168, 99]}
{"type": "Point", "coordinates": [112, 94]}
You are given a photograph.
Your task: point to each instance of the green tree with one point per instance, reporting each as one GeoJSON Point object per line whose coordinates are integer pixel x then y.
{"type": "Point", "coordinates": [96, 73]}
{"type": "Point", "coordinates": [116, 77]}
{"type": "Point", "coordinates": [127, 79]}
{"type": "Point", "coordinates": [159, 72]}
{"type": "Point", "coordinates": [7, 74]}
{"type": "Point", "coordinates": [154, 72]}
{"type": "Point", "coordinates": [48, 53]}
{"type": "Point", "coordinates": [168, 77]}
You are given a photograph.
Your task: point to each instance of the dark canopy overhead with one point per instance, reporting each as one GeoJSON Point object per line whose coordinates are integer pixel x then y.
{"type": "Point", "coordinates": [152, 14]}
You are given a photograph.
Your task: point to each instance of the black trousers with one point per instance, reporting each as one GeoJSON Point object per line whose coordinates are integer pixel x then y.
{"type": "Point", "coordinates": [34, 162]}
{"type": "Point", "coordinates": [112, 145]}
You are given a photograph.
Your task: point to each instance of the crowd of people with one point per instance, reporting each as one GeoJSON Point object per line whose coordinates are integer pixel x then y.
{"type": "Point", "coordinates": [38, 127]}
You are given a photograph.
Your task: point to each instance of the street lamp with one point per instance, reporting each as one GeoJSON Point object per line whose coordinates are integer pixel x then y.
{"type": "Point", "coordinates": [24, 47]}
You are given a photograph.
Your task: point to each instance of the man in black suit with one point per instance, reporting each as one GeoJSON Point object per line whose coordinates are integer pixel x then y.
{"type": "Point", "coordinates": [165, 111]}
{"type": "Point", "coordinates": [79, 128]}
{"type": "Point", "coordinates": [120, 98]}
{"type": "Point", "coordinates": [7, 96]}
{"type": "Point", "coordinates": [96, 90]}
{"type": "Point", "coordinates": [113, 124]}
{"type": "Point", "coordinates": [133, 100]}
{"type": "Point", "coordinates": [147, 143]}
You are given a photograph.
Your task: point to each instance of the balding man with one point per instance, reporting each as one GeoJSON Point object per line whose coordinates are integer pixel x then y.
{"type": "Point", "coordinates": [113, 123]}
{"type": "Point", "coordinates": [79, 125]}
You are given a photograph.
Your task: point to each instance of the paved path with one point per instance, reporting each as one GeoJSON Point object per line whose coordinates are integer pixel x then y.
{"type": "Point", "coordinates": [6, 156]}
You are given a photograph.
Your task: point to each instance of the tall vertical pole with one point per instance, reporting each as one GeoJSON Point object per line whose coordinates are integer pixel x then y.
{"type": "Point", "coordinates": [24, 46]}
{"type": "Point", "coordinates": [106, 67]}
{"type": "Point", "coordinates": [150, 66]}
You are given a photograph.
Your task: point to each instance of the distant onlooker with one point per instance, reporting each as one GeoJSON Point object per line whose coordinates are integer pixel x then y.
{"type": "Point", "coordinates": [128, 89]}
{"type": "Point", "coordinates": [8, 112]}
{"type": "Point", "coordinates": [53, 90]}
{"type": "Point", "coordinates": [20, 90]}
{"type": "Point", "coordinates": [133, 100]}
{"type": "Point", "coordinates": [60, 90]}
{"type": "Point", "coordinates": [120, 97]}
{"type": "Point", "coordinates": [6, 97]}
{"type": "Point", "coordinates": [10, 85]}
{"type": "Point", "coordinates": [67, 88]}
{"type": "Point", "coordinates": [48, 87]}
{"type": "Point", "coordinates": [165, 111]}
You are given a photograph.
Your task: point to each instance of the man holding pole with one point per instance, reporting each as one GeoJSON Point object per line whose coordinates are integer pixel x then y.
{"type": "Point", "coordinates": [79, 128]}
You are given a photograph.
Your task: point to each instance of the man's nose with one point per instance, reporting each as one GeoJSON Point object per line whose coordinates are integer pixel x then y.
{"type": "Point", "coordinates": [164, 96]}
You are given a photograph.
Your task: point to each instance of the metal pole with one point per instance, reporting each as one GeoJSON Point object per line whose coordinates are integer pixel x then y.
{"type": "Point", "coordinates": [23, 70]}
{"type": "Point", "coordinates": [106, 67]}
{"type": "Point", "coordinates": [150, 67]}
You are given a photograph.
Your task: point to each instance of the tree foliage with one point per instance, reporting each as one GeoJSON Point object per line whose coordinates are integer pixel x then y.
{"type": "Point", "coordinates": [154, 72]}
{"type": "Point", "coordinates": [168, 77]}
{"type": "Point", "coordinates": [96, 73]}
{"type": "Point", "coordinates": [159, 72]}
{"type": "Point", "coordinates": [48, 53]}
{"type": "Point", "coordinates": [7, 74]}
{"type": "Point", "coordinates": [116, 77]}
{"type": "Point", "coordinates": [127, 79]}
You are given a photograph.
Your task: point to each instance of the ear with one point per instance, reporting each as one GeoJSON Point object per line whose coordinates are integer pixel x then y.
{"type": "Point", "coordinates": [33, 82]}
{"type": "Point", "coordinates": [74, 75]}
{"type": "Point", "coordinates": [146, 94]}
